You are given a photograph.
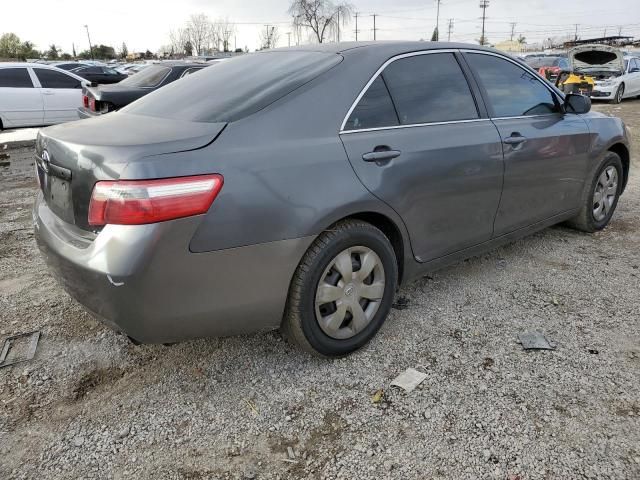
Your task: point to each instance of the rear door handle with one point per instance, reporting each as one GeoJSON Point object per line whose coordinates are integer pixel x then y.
{"type": "Point", "coordinates": [514, 139]}
{"type": "Point", "coordinates": [381, 155]}
{"type": "Point", "coordinates": [47, 92]}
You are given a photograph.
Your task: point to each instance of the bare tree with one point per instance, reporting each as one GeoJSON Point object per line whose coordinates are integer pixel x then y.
{"type": "Point", "coordinates": [178, 40]}
{"type": "Point", "coordinates": [269, 37]}
{"type": "Point", "coordinates": [322, 17]}
{"type": "Point", "coordinates": [199, 31]}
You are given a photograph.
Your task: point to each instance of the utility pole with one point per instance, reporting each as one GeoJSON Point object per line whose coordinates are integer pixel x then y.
{"type": "Point", "coordinates": [289, 38]}
{"type": "Point", "coordinates": [449, 29]}
{"type": "Point", "coordinates": [356, 15]}
{"type": "Point", "coordinates": [374, 26]}
{"type": "Point", "coordinates": [89, 38]}
{"type": "Point", "coordinates": [269, 30]}
{"type": "Point", "coordinates": [438, 20]}
{"type": "Point", "coordinates": [338, 25]}
{"type": "Point", "coordinates": [575, 38]}
{"type": "Point", "coordinates": [513, 28]}
{"type": "Point", "coordinates": [484, 4]}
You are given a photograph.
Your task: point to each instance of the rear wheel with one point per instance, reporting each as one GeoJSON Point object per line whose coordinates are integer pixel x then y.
{"type": "Point", "coordinates": [619, 94]}
{"type": "Point", "coordinates": [601, 197]}
{"type": "Point", "coordinates": [342, 291]}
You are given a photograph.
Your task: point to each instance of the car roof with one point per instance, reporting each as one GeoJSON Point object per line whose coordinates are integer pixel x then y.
{"type": "Point", "coordinates": [392, 47]}
{"type": "Point", "coordinates": [40, 66]}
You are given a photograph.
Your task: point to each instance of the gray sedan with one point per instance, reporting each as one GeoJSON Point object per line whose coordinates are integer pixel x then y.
{"type": "Point", "coordinates": [297, 188]}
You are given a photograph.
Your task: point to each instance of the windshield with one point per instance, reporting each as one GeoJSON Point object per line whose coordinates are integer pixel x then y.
{"type": "Point", "coordinates": [148, 77]}
{"type": "Point", "coordinates": [236, 87]}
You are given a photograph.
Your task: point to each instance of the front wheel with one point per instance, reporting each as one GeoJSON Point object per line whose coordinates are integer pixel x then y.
{"type": "Point", "coordinates": [619, 94]}
{"type": "Point", "coordinates": [342, 290]}
{"type": "Point", "coordinates": [601, 198]}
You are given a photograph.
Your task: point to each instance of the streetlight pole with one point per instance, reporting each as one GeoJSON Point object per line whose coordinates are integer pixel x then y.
{"type": "Point", "coordinates": [89, 38]}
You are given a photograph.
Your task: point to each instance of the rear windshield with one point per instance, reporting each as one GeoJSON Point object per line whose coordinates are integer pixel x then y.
{"type": "Point", "coordinates": [236, 87]}
{"type": "Point", "coordinates": [148, 77]}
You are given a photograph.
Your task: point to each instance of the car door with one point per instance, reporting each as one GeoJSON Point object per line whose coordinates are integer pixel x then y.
{"type": "Point", "coordinates": [417, 140]}
{"type": "Point", "coordinates": [61, 95]}
{"type": "Point", "coordinates": [20, 101]}
{"type": "Point", "coordinates": [545, 150]}
{"type": "Point", "coordinates": [633, 77]}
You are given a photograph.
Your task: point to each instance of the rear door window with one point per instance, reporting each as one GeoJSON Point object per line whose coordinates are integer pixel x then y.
{"type": "Point", "coordinates": [512, 91]}
{"type": "Point", "coordinates": [53, 79]}
{"type": "Point", "coordinates": [15, 78]}
{"type": "Point", "coordinates": [429, 88]}
{"type": "Point", "coordinates": [375, 109]}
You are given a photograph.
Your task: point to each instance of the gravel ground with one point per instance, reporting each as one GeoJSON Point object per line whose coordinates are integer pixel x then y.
{"type": "Point", "coordinates": [92, 405]}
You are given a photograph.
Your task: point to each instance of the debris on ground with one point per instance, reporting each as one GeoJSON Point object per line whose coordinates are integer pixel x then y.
{"type": "Point", "coordinates": [401, 303]}
{"type": "Point", "coordinates": [409, 379]}
{"type": "Point", "coordinates": [378, 396]}
{"type": "Point", "coordinates": [19, 348]}
{"type": "Point", "coordinates": [535, 341]}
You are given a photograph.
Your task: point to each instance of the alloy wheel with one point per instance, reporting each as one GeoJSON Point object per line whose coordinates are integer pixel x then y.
{"type": "Point", "coordinates": [605, 193]}
{"type": "Point", "coordinates": [349, 292]}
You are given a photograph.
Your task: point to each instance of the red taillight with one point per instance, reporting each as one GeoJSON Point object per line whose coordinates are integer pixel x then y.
{"type": "Point", "coordinates": [85, 101]}
{"type": "Point", "coordinates": [135, 202]}
{"type": "Point", "coordinates": [92, 104]}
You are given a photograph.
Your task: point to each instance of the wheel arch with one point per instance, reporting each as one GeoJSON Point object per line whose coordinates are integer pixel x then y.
{"type": "Point", "coordinates": [623, 152]}
{"type": "Point", "coordinates": [391, 230]}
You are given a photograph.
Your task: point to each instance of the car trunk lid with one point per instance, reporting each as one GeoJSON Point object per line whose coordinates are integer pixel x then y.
{"type": "Point", "coordinates": [72, 157]}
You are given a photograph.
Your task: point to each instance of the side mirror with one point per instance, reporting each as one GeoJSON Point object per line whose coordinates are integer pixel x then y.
{"type": "Point", "coordinates": [575, 103]}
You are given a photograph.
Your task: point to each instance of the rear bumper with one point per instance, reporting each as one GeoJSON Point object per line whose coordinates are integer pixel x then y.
{"type": "Point", "coordinates": [143, 280]}
{"type": "Point", "coordinates": [84, 112]}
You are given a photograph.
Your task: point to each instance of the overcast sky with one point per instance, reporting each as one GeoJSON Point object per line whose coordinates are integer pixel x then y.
{"type": "Point", "coordinates": [144, 24]}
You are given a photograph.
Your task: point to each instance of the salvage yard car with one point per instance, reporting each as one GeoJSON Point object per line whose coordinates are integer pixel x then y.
{"type": "Point", "coordinates": [107, 98]}
{"type": "Point", "coordinates": [302, 197]}
{"type": "Point", "coordinates": [34, 94]}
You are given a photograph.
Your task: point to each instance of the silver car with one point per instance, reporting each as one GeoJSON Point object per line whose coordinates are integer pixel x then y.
{"type": "Point", "coordinates": [297, 188]}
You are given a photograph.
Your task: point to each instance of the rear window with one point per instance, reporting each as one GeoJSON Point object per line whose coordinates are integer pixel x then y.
{"type": "Point", "coordinates": [236, 87]}
{"type": "Point", "coordinates": [149, 77]}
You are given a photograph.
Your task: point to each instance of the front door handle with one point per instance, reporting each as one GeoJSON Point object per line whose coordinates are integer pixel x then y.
{"type": "Point", "coordinates": [381, 155]}
{"type": "Point", "coordinates": [47, 92]}
{"type": "Point", "coordinates": [514, 139]}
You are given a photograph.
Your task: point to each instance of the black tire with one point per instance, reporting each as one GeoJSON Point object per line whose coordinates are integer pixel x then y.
{"type": "Point", "coordinates": [299, 324]}
{"type": "Point", "coordinates": [619, 94]}
{"type": "Point", "coordinates": [585, 220]}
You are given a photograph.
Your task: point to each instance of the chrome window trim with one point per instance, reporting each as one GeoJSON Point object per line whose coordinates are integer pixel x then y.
{"type": "Point", "coordinates": [379, 71]}
{"type": "Point", "coordinates": [413, 125]}
{"type": "Point", "coordinates": [548, 86]}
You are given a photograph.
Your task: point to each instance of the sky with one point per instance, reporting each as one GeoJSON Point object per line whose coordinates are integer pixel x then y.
{"type": "Point", "coordinates": [145, 24]}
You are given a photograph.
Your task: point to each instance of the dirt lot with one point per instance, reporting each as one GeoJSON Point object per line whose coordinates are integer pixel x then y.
{"type": "Point", "coordinates": [92, 405]}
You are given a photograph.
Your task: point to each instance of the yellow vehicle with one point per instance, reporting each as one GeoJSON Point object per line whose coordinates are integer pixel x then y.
{"type": "Point", "coordinates": [575, 82]}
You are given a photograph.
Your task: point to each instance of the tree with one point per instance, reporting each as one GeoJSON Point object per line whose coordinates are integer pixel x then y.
{"type": "Point", "coordinates": [124, 51]}
{"type": "Point", "coordinates": [522, 39]}
{"type": "Point", "coordinates": [178, 40]}
{"type": "Point", "coordinates": [10, 46]}
{"type": "Point", "coordinates": [66, 56]}
{"type": "Point", "coordinates": [52, 53]}
{"type": "Point", "coordinates": [188, 49]}
{"type": "Point", "coordinates": [434, 37]}
{"type": "Point", "coordinates": [27, 50]}
{"type": "Point", "coordinates": [226, 30]}
{"type": "Point", "coordinates": [199, 32]}
{"type": "Point", "coordinates": [320, 16]}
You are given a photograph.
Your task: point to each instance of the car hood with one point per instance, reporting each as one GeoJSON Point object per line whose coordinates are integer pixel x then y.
{"type": "Point", "coordinates": [596, 57]}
